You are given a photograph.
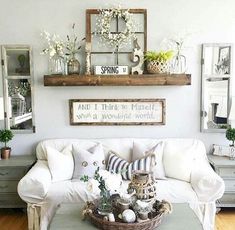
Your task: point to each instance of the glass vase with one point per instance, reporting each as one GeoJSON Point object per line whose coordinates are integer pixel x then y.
{"type": "Point", "coordinates": [105, 207]}
{"type": "Point", "coordinates": [56, 65]}
{"type": "Point", "coordinates": [73, 66]}
{"type": "Point", "coordinates": [179, 64]}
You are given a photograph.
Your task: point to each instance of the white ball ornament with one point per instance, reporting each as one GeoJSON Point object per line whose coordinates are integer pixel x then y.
{"type": "Point", "coordinates": [128, 216]}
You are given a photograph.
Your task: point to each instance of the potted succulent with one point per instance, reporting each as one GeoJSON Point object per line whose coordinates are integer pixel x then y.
{"type": "Point", "coordinates": [230, 135]}
{"type": "Point", "coordinates": [158, 62]}
{"type": "Point", "coordinates": [5, 136]}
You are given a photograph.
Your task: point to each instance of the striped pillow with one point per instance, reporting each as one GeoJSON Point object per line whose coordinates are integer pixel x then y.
{"type": "Point", "coordinates": [119, 165]}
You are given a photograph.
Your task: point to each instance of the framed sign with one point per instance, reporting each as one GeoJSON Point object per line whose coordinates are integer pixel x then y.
{"type": "Point", "coordinates": [117, 111]}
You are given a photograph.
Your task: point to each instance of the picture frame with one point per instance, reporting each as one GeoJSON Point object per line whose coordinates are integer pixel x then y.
{"type": "Point", "coordinates": [117, 111]}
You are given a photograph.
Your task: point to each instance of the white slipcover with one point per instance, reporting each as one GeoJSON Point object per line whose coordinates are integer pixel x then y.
{"type": "Point", "coordinates": [35, 185]}
{"type": "Point", "coordinates": [43, 196]}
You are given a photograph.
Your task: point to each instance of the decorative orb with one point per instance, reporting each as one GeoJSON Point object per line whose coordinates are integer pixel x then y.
{"type": "Point", "coordinates": [128, 216]}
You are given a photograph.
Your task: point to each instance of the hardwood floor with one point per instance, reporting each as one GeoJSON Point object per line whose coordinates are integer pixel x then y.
{"type": "Point", "coordinates": [15, 219]}
{"type": "Point", "coordinates": [225, 219]}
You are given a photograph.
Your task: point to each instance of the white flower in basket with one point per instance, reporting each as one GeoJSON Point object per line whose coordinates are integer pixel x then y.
{"type": "Point", "coordinates": [105, 187]}
{"type": "Point", "coordinates": [92, 186]}
{"type": "Point", "coordinates": [109, 178]}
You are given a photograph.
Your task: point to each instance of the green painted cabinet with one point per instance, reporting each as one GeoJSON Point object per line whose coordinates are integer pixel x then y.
{"type": "Point", "coordinates": [11, 171]}
{"type": "Point", "coordinates": [226, 169]}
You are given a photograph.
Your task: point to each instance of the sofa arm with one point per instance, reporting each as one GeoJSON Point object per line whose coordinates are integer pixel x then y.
{"type": "Point", "coordinates": [208, 185]}
{"type": "Point", "coordinates": [34, 186]}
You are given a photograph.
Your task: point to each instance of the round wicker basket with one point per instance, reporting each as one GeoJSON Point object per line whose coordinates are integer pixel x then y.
{"type": "Point", "coordinates": [154, 67]}
{"type": "Point", "coordinates": [101, 223]}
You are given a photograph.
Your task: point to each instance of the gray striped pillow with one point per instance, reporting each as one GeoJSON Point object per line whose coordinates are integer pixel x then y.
{"type": "Point", "coordinates": [117, 165]}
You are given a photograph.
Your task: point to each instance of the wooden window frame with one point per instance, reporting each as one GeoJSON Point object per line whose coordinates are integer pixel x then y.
{"type": "Point", "coordinates": [90, 12]}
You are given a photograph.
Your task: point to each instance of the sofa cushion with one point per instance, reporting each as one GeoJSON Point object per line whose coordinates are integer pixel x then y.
{"type": "Point", "coordinates": [175, 191]}
{"type": "Point", "coordinates": [178, 160]}
{"type": "Point", "coordinates": [61, 164]}
{"type": "Point", "coordinates": [140, 150]}
{"type": "Point", "coordinates": [172, 190]}
{"type": "Point", "coordinates": [87, 161]}
{"type": "Point", "coordinates": [117, 164]}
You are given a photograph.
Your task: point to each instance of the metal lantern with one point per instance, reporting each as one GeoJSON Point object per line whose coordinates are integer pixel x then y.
{"type": "Point", "coordinates": [18, 105]}
{"type": "Point", "coordinates": [144, 184]}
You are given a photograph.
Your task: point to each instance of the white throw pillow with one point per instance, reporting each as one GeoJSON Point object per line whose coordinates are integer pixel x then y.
{"type": "Point", "coordinates": [178, 161]}
{"type": "Point", "coordinates": [87, 161]}
{"type": "Point", "coordinates": [61, 164]}
{"type": "Point", "coordinates": [140, 150]}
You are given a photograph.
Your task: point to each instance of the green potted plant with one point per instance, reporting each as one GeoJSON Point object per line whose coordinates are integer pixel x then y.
{"type": "Point", "coordinates": [230, 135]}
{"type": "Point", "coordinates": [5, 136]}
{"type": "Point", "coordinates": [158, 62]}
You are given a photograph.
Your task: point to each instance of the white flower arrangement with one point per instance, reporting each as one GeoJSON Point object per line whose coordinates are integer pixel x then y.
{"type": "Point", "coordinates": [103, 180]}
{"type": "Point", "coordinates": [115, 39]}
{"type": "Point", "coordinates": [55, 45]}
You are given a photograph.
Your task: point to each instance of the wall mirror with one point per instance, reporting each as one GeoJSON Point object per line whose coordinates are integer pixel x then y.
{"type": "Point", "coordinates": [17, 76]}
{"type": "Point", "coordinates": [1, 106]}
{"type": "Point", "coordinates": [216, 86]}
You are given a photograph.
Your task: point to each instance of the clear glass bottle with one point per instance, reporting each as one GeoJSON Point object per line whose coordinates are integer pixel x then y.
{"type": "Point", "coordinates": [178, 63]}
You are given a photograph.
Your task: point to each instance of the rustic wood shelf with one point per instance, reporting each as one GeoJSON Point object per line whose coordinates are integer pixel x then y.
{"type": "Point", "coordinates": [120, 80]}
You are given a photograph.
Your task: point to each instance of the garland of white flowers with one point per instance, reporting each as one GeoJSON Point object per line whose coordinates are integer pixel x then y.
{"type": "Point", "coordinates": [103, 24]}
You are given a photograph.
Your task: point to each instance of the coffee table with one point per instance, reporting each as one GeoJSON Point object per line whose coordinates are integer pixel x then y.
{"type": "Point", "coordinates": [68, 217]}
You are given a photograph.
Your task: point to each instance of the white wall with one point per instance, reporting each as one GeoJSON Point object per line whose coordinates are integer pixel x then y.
{"type": "Point", "coordinates": [211, 21]}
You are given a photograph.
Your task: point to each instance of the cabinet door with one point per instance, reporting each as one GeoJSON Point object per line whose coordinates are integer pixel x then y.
{"type": "Point", "coordinates": [18, 84]}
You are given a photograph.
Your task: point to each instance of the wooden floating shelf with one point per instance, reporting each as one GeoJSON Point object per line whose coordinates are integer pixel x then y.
{"type": "Point", "coordinates": [120, 80]}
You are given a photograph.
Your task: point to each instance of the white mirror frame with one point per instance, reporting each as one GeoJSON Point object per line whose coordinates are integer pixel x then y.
{"type": "Point", "coordinates": [5, 79]}
{"type": "Point", "coordinates": [203, 109]}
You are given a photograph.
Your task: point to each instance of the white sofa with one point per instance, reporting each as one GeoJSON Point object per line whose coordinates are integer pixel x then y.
{"type": "Point", "coordinates": [201, 191]}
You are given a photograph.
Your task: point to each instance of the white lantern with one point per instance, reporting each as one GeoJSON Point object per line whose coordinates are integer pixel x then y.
{"type": "Point", "coordinates": [18, 105]}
